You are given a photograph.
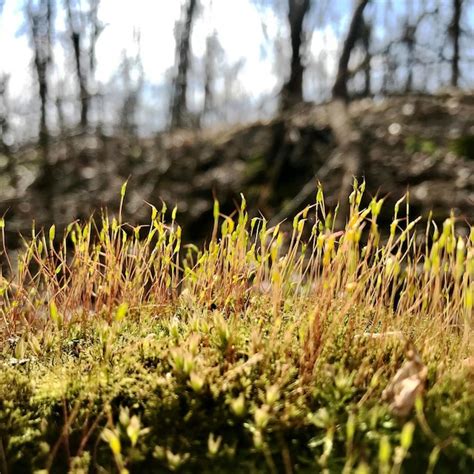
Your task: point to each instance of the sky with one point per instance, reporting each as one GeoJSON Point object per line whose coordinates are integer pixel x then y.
{"type": "Point", "coordinates": [246, 30]}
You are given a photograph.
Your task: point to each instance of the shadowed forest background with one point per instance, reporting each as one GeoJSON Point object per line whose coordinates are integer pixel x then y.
{"type": "Point", "coordinates": [377, 89]}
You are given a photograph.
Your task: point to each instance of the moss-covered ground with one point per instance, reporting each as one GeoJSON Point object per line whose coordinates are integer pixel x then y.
{"type": "Point", "coordinates": [283, 349]}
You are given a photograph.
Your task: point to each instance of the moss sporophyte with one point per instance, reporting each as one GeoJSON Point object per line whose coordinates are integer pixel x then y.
{"type": "Point", "coordinates": [297, 347]}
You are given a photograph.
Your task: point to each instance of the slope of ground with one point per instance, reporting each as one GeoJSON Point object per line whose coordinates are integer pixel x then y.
{"type": "Point", "coordinates": [421, 143]}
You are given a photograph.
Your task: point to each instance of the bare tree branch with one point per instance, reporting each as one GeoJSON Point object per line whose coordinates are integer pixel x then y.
{"type": "Point", "coordinates": [339, 89]}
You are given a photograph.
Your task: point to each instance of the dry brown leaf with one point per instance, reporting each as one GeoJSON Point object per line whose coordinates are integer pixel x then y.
{"type": "Point", "coordinates": [406, 385]}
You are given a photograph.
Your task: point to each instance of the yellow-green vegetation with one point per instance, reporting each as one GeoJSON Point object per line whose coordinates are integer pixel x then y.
{"type": "Point", "coordinates": [283, 349]}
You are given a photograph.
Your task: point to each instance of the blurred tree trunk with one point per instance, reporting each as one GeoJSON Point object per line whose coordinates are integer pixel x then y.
{"type": "Point", "coordinates": [347, 137]}
{"type": "Point", "coordinates": [292, 91]}
{"type": "Point", "coordinates": [184, 28]}
{"type": "Point", "coordinates": [81, 32]}
{"type": "Point", "coordinates": [455, 32]}
{"type": "Point", "coordinates": [96, 29]}
{"type": "Point", "coordinates": [41, 26]}
{"type": "Point", "coordinates": [409, 40]}
{"type": "Point", "coordinates": [366, 32]}
{"type": "Point", "coordinates": [339, 90]}
{"type": "Point", "coordinates": [41, 32]}
{"type": "Point", "coordinates": [4, 118]}
{"type": "Point", "coordinates": [213, 52]}
{"type": "Point", "coordinates": [128, 114]}
{"type": "Point", "coordinates": [5, 128]}
{"type": "Point", "coordinates": [60, 113]}
{"type": "Point", "coordinates": [75, 34]}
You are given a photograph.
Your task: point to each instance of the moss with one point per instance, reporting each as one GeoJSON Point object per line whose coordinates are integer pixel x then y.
{"type": "Point", "coordinates": [463, 146]}
{"type": "Point", "coordinates": [415, 144]}
{"type": "Point", "coordinates": [179, 421]}
{"type": "Point", "coordinates": [132, 369]}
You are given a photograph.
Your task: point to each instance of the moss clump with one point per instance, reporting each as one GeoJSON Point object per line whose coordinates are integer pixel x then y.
{"type": "Point", "coordinates": [267, 351]}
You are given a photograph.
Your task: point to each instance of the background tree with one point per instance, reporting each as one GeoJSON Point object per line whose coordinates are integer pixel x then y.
{"type": "Point", "coordinates": [339, 90]}
{"type": "Point", "coordinates": [4, 118]}
{"type": "Point", "coordinates": [179, 115]}
{"type": "Point", "coordinates": [5, 131]}
{"type": "Point", "coordinates": [131, 73]}
{"type": "Point", "coordinates": [213, 54]}
{"type": "Point", "coordinates": [40, 19]}
{"type": "Point", "coordinates": [292, 90]}
{"type": "Point", "coordinates": [366, 64]}
{"type": "Point", "coordinates": [455, 33]}
{"type": "Point", "coordinates": [84, 29]}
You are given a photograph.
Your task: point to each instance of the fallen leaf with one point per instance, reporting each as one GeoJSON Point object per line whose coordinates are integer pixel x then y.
{"type": "Point", "coordinates": [407, 384]}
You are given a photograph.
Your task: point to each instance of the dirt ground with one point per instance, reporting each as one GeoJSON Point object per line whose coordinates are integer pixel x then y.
{"type": "Point", "coordinates": [424, 144]}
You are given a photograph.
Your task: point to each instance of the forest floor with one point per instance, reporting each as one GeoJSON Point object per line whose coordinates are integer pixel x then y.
{"type": "Point", "coordinates": [268, 350]}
